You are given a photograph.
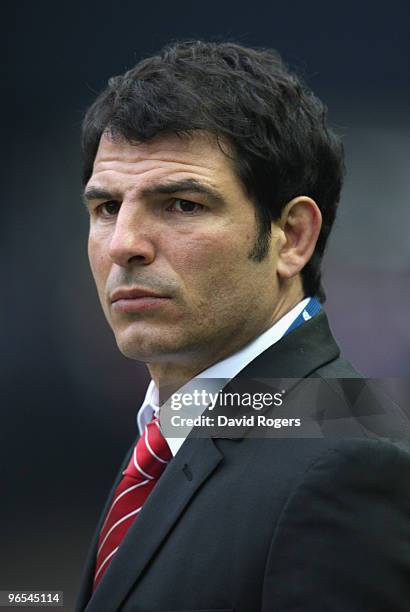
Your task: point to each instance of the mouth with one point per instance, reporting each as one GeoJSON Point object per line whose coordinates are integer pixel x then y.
{"type": "Point", "coordinates": [136, 300]}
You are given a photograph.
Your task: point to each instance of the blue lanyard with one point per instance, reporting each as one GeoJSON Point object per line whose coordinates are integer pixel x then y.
{"type": "Point", "coordinates": [311, 309]}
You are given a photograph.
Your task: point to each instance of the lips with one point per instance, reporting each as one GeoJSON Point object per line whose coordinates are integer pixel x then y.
{"type": "Point", "coordinates": [136, 300]}
{"type": "Point", "coordinates": [133, 294]}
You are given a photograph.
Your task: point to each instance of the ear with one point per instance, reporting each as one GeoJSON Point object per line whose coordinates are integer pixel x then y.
{"type": "Point", "coordinates": [300, 222]}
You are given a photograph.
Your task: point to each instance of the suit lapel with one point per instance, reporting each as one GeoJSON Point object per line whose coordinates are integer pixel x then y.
{"type": "Point", "coordinates": [192, 465]}
{"type": "Point", "coordinates": [298, 354]}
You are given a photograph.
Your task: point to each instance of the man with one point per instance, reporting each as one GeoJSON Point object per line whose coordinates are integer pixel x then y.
{"type": "Point", "coordinates": [212, 182]}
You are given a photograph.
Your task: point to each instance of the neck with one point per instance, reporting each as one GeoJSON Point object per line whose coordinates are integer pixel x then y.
{"type": "Point", "coordinates": [172, 375]}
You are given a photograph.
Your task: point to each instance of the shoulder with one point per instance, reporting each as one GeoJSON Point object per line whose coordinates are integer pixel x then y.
{"type": "Point", "coordinates": [371, 462]}
{"type": "Point", "coordinates": [354, 479]}
{"type": "Point", "coordinates": [359, 483]}
{"type": "Point", "coordinates": [344, 532]}
{"type": "Point", "coordinates": [346, 404]}
{"type": "Point", "coordinates": [338, 368]}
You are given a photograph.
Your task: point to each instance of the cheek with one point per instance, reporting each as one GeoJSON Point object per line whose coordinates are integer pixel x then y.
{"type": "Point", "coordinates": [202, 252]}
{"type": "Point", "coordinates": [210, 261]}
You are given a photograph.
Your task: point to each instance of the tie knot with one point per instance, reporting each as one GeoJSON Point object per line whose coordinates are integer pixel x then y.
{"type": "Point", "coordinates": [151, 454]}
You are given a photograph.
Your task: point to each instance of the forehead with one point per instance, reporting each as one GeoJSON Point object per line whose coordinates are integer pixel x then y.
{"type": "Point", "coordinates": [123, 165]}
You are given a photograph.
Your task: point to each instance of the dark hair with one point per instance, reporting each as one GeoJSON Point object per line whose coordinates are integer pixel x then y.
{"type": "Point", "coordinates": [275, 126]}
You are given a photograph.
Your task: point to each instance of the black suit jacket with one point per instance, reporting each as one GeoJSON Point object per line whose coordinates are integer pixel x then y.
{"type": "Point", "coordinates": [286, 524]}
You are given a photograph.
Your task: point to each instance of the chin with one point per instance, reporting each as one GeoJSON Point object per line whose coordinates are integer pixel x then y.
{"type": "Point", "coordinates": [145, 349]}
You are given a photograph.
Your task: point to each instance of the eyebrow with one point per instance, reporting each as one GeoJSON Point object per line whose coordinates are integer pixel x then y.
{"type": "Point", "coordinates": [95, 193]}
{"type": "Point", "coordinates": [192, 185]}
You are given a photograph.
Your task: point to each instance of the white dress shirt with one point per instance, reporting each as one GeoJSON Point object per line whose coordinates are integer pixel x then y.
{"type": "Point", "coordinates": [226, 369]}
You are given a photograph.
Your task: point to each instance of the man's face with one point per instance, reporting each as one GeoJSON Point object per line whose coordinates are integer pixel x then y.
{"type": "Point", "coordinates": [170, 217]}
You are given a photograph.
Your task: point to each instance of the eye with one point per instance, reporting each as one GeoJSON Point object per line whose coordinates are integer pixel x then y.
{"type": "Point", "coordinates": [108, 209]}
{"type": "Point", "coordinates": [185, 206]}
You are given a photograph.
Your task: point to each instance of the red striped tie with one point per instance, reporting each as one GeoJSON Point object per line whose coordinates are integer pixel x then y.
{"type": "Point", "coordinates": [149, 459]}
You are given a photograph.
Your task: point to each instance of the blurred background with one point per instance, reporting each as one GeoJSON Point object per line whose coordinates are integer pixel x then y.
{"type": "Point", "coordinates": [68, 397]}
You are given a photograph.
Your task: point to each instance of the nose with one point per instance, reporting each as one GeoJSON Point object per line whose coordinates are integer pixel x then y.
{"type": "Point", "coordinates": [131, 241]}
